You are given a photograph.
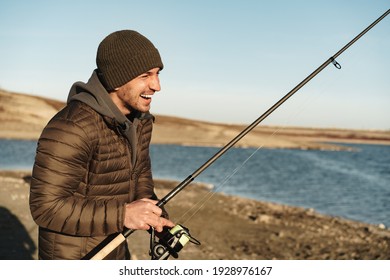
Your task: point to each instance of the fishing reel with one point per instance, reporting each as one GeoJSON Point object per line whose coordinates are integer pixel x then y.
{"type": "Point", "coordinates": [170, 242]}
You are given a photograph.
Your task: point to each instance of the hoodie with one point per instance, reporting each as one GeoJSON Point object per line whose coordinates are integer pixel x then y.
{"type": "Point", "coordinates": [95, 95]}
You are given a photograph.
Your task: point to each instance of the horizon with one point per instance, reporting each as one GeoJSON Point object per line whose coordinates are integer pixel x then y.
{"type": "Point", "coordinates": [222, 63]}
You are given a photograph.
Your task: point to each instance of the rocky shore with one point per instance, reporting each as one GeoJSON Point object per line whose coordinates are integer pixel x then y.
{"type": "Point", "coordinates": [228, 227]}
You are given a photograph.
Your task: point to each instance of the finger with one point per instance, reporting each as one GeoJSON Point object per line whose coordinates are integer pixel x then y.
{"type": "Point", "coordinates": [158, 226]}
{"type": "Point", "coordinates": [167, 223]}
{"type": "Point", "coordinates": [162, 222]}
{"type": "Point", "coordinates": [157, 210]}
{"type": "Point", "coordinates": [151, 205]}
{"type": "Point", "coordinates": [155, 222]}
{"type": "Point", "coordinates": [149, 200]}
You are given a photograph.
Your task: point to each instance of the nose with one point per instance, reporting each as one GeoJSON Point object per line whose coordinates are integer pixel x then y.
{"type": "Point", "coordinates": [155, 83]}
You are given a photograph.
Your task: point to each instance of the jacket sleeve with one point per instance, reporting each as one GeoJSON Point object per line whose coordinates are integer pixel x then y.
{"type": "Point", "coordinates": [62, 157]}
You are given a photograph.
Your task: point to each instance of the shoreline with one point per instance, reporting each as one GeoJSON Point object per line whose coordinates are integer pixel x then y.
{"type": "Point", "coordinates": [192, 132]}
{"type": "Point", "coordinates": [210, 187]}
{"type": "Point", "coordinates": [221, 136]}
{"type": "Point", "coordinates": [12, 172]}
{"type": "Point", "coordinates": [320, 144]}
{"type": "Point", "coordinates": [229, 227]}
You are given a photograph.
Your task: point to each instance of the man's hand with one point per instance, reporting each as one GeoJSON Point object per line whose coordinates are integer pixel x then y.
{"type": "Point", "coordinates": [143, 214]}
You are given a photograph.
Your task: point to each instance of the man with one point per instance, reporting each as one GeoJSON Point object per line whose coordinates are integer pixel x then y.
{"type": "Point", "coordinates": [92, 174]}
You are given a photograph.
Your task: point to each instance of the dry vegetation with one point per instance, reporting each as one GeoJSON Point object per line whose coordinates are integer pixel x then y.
{"type": "Point", "coordinates": [24, 116]}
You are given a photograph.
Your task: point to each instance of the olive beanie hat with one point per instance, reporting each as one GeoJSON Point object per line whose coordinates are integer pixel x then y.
{"type": "Point", "coordinates": [124, 55]}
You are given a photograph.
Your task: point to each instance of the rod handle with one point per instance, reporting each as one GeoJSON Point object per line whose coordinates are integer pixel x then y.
{"type": "Point", "coordinates": [109, 247]}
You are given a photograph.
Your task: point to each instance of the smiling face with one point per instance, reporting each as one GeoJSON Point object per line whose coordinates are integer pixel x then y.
{"type": "Point", "coordinates": [137, 94]}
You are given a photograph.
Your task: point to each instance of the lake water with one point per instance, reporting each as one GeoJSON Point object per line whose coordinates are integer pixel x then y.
{"type": "Point", "coordinates": [354, 185]}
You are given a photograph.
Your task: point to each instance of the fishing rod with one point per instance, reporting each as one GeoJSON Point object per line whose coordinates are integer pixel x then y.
{"type": "Point", "coordinates": [184, 233]}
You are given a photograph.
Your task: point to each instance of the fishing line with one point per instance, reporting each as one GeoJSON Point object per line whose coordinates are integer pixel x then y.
{"type": "Point", "coordinates": [309, 99]}
{"type": "Point", "coordinates": [202, 202]}
{"type": "Point", "coordinates": [211, 193]}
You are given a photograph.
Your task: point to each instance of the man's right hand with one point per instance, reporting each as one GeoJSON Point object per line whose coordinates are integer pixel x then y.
{"type": "Point", "coordinates": [143, 214]}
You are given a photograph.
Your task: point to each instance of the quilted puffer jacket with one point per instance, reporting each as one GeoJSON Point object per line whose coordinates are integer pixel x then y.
{"type": "Point", "coordinates": [91, 160]}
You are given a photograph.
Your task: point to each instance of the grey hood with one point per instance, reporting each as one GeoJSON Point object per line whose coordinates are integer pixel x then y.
{"type": "Point", "coordinates": [95, 95]}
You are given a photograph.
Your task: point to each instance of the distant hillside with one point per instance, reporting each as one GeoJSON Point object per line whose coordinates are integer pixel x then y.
{"type": "Point", "coordinates": [24, 116]}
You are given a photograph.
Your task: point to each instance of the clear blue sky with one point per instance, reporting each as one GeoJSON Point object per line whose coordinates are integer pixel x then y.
{"type": "Point", "coordinates": [225, 61]}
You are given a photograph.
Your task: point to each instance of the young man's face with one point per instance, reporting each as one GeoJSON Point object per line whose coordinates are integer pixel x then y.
{"type": "Point", "coordinates": [137, 94]}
